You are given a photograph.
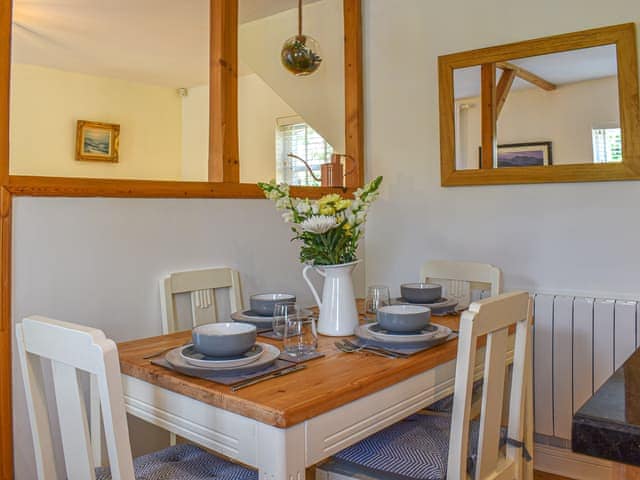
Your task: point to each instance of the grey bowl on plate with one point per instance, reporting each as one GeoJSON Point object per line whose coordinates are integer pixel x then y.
{"type": "Point", "coordinates": [421, 292]}
{"type": "Point", "coordinates": [403, 318]}
{"type": "Point", "coordinates": [263, 303]}
{"type": "Point", "coordinates": [224, 339]}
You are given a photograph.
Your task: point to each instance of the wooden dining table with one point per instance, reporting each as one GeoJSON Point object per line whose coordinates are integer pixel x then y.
{"type": "Point", "coordinates": [286, 425]}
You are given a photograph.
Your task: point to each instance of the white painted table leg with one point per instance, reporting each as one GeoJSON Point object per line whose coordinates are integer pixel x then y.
{"type": "Point", "coordinates": [281, 452]}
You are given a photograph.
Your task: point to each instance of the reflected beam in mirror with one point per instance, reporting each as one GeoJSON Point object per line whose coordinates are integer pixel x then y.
{"type": "Point", "coordinates": [504, 87]}
{"type": "Point", "coordinates": [528, 76]}
{"type": "Point", "coordinates": [488, 105]}
{"type": "Point", "coordinates": [223, 118]}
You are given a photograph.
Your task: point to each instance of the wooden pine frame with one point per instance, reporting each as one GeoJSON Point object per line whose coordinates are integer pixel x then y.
{"type": "Point", "coordinates": [223, 163]}
{"type": "Point", "coordinates": [624, 38]}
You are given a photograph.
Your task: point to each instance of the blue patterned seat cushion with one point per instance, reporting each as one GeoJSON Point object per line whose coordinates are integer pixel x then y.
{"type": "Point", "coordinates": [415, 448]}
{"type": "Point", "coordinates": [183, 462]}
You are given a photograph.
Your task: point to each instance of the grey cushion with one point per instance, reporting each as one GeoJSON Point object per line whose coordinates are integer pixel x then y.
{"type": "Point", "coordinates": [416, 448]}
{"type": "Point", "coordinates": [183, 462]}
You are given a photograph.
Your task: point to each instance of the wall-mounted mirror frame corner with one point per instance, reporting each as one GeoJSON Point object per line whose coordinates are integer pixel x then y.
{"type": "Point", "coordinates": [486, 60]}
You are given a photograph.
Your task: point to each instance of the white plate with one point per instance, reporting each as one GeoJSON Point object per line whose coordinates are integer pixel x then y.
{"type": "Point", "coordinates": [364, 332]}
{"type": "Point", "coordinates": [269, 355]}
{"type": "Point", "coordinates": [423, 335]}
{"type": "Point", "coordinates": [193, 357]}
{"type": "Point", "coordinates": [439, 307]}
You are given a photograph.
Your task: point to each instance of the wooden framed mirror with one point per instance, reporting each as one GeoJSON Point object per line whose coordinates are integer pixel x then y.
{"type": "Point", "coordinates": [563, 108]}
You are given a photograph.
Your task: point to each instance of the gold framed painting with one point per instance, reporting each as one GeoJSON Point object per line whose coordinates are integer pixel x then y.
{"type": "Point", "coordinates": [97, 141]}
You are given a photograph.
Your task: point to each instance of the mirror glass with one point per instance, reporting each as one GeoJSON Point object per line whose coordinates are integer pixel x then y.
{"type": "Point", "coordinates": [554, 109]}
{"type": "Point", "coordinates": [279, 113]}
{"type": "Point", "coordinates": [136, 71]}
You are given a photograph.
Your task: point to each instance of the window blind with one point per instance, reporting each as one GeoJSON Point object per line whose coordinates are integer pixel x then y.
{"type": "Point", "coordinates": [295, 136]}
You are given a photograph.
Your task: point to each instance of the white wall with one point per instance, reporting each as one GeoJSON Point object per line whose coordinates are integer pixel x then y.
{"type": "Point", "coordinates": [558, 237]}
{"type": "Point", "coordinates": [46, 104]}
{"type": "Point", "coordinates": [564, 116]}
{"type": "Point", "coordinates": [98, 261]}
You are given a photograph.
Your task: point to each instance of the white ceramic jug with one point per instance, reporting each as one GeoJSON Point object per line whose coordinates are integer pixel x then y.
{"type": "Point", "coordinates": [338, 312]}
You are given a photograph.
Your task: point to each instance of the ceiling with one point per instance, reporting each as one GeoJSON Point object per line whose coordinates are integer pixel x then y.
{"type": "Point", "coordinates": [160, 42]}
{"type": "Point", "coordinates": [558, 68]}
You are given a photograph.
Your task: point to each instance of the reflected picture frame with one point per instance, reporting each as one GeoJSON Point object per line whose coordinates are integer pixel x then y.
{"type": "Point", "coordinates": [97, 141]}
{"type": "Point", "coordinates": [532, 154]}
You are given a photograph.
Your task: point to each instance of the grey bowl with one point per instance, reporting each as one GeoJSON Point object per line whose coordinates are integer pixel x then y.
{"type": "Point", "coordinates": [403, 318]}
{"type": "Point", "coordinates": [224, 339]}
{"type": "Point", "coordinates": [421, 292]}
{"type": "Point", "coordinates": [263, 303]}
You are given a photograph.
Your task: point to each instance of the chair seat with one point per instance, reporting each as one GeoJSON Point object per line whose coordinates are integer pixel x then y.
{"type": "Point", "coordinates": [183, 462]}
{"type": "Point", "coordinates": [415, 448]}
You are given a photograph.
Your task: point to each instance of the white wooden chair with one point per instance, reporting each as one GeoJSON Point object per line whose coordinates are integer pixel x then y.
{"type": "Point", "coordinates": [428, 445]}
{"type": "Point", "coordinates": [459, 278]}
{"type": "Point", "coordinates": [200, 284]}
{"type": "Point", "coordinates": [72, 349]}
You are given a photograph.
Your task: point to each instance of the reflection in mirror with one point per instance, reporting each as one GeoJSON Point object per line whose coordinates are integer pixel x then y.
{"type": "Point", "coordinates": [466, 85]}
{"type": "Point", "coordinates": [554, 109]}
{"type": "Point", "coordinates": [280, 114]}
{"type": "Point", "coordinates": [110, 62]}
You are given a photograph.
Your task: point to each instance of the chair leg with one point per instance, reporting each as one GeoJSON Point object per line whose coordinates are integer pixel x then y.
{"type": "Point", "coordinates": [172, 438]}
{"type": "Point", "coordinates": [528, 409]}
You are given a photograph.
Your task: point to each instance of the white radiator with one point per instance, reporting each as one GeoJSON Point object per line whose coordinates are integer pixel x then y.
{"type": "Point", "coordinates": [578, 343]}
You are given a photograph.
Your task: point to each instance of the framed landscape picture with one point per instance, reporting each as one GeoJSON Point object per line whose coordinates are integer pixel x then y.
{"type": "Point", "coordinates": [96, 141]}
{"type": "Point", "coordinates": [524, 155]}
{"type": "Point", "coordinates": [521, 155]}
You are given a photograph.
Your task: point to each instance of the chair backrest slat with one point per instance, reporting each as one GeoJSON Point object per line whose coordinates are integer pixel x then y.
{"type": "Point", "coordinates": [456, 278]}
{"type": "Point", "coordinates": [492, 317]}
{"type": "Point", "coordinates": [73, 348]}
{"type": "Point", "coordinates": [200, 284]}
{"type": "Point", "coordinates": [492, 401]}
{"type": "Point", "coordinates": [74, 429]}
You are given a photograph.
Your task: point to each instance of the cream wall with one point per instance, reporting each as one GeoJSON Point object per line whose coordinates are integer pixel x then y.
{"type": "Point", "coordinates": [46, 103]}
{"type": "Point", "coordinates": [195, 134]}
{"type": "Point", "coordinates": [561, 237]}
{"type": "Point", "coordinates": [258, 108]}
{"type": "Point", "coordinates": [564, 116]}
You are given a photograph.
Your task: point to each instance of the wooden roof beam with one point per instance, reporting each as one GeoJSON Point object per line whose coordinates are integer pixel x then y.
{"type": "Point", "coordinates": [503, 88]}
{"type": "Point", "coordinates": [527, 76]}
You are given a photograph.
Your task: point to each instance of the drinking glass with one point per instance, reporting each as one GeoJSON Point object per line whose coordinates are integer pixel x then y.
{"type": "Point", "coordinates": [377, 296]}
{"type": "Point", "coordinates": [281, 311]}
{"type": "Point", "coordinates": [300, 336]}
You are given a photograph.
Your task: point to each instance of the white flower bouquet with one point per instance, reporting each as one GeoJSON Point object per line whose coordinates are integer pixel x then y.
{"type": "Point", "coordinates": [330, 227]}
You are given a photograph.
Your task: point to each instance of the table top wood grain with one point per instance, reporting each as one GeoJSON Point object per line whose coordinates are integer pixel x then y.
{"type": "Point", "coordinates": [327, 383]}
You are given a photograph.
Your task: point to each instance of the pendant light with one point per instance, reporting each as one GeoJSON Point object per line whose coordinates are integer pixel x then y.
{"type": "Point", "coordinates": [300, 54]}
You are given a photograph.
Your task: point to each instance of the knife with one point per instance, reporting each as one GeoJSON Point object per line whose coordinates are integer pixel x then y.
{"type": "Point", "coordinates": [268, 376]}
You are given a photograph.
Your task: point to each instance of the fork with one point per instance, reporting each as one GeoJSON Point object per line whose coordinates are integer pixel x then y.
{"type": "Point", "coordinates": [351, 344]}
{"type": "Point", "coordinates": [351, 348]}
{"type": "Point", "coordinates": [345, 349]}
